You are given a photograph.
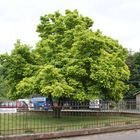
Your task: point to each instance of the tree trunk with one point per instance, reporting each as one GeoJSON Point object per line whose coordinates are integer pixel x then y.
{"type": "Point", "coordinates": [56, 112]}
{"type": "Point", "coordinates": [56, 109]}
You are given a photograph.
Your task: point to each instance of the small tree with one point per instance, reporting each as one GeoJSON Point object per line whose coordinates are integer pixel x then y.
{"type": "Point", "coordinates": [133, 62]}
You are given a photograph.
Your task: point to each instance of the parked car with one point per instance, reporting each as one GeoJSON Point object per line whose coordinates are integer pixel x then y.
{"type": "Point", "coordinates": [21, 106]}
{"type": "Point", "coordinates": [95, 104]}
{"type": "Point", "coordinates": [26, 101]}
{"type": "Point", "coordinates": [38, 103]}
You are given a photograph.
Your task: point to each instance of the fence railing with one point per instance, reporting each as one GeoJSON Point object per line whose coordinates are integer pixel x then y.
{"type": "Point", "coordinates": [68, 116]}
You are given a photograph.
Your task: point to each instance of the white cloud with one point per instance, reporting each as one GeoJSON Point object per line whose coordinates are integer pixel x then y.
{"type": "Point", "coordinates": [119, 19]}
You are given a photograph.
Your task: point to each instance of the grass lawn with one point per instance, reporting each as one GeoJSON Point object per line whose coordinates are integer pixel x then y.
{"type": "Point", "coordinates": [20, 123]}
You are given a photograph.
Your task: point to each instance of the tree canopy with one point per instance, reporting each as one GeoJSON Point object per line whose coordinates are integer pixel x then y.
{"type": "Point", "coordinates": [70, 60]}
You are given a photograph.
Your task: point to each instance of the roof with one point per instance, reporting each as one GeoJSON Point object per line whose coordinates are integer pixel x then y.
{"type": "Point", "coordinates": [137, 93]}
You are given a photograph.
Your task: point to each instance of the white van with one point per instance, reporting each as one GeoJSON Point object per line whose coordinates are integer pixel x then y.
{"type": "Point", "coordinates": [94, 104]}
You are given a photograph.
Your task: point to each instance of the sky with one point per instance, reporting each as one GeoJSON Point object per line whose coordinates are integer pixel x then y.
{"type": "Point", "coordinates": [119, 19]}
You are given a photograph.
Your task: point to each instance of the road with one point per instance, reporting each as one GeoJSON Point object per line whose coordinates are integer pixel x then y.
{"type": "Point", "coordinates": [124, 135]}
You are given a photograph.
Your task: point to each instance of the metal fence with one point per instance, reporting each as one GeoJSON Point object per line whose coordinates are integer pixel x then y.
{"type": "Point", "coordinates": [68, 116]}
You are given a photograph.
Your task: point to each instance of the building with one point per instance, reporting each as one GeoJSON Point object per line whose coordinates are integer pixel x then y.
{"type": "Point", "coordinates": [137, 100]}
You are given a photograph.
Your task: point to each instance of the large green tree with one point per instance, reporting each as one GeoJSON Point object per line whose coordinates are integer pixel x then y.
{"type": "Point", "coordinates": [70, 60]}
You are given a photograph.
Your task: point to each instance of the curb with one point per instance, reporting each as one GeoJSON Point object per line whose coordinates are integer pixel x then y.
{"type": "Point", "coordinates": [41, 136]}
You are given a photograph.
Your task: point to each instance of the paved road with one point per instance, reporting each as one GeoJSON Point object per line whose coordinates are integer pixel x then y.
{"type": "Point", "coordinates": [125, 135]}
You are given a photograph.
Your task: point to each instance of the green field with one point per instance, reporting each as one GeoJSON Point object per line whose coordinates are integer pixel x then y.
{"type": "Point", "coordinates": [20, 123]}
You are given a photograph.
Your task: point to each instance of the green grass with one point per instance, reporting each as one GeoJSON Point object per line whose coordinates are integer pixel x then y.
{"type": "Point", "coordinates": [41, 122]}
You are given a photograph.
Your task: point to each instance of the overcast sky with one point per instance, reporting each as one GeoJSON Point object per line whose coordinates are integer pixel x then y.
{"type": "Point", "coordinates": [119, 19]}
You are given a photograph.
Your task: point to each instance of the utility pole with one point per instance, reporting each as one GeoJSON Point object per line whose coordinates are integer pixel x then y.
{"type": "Point", "coordinates": [131, 51]}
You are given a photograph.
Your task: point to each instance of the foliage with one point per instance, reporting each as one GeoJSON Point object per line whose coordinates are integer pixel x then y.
{"type": "Point", "coordinates": [16, 66]}
{"type": "Point", "coordinates": [133, 62]}
{"type": "Point", "coordinates": [70, 61]}
{"type": "Point", "coordinates": [4, 88]}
